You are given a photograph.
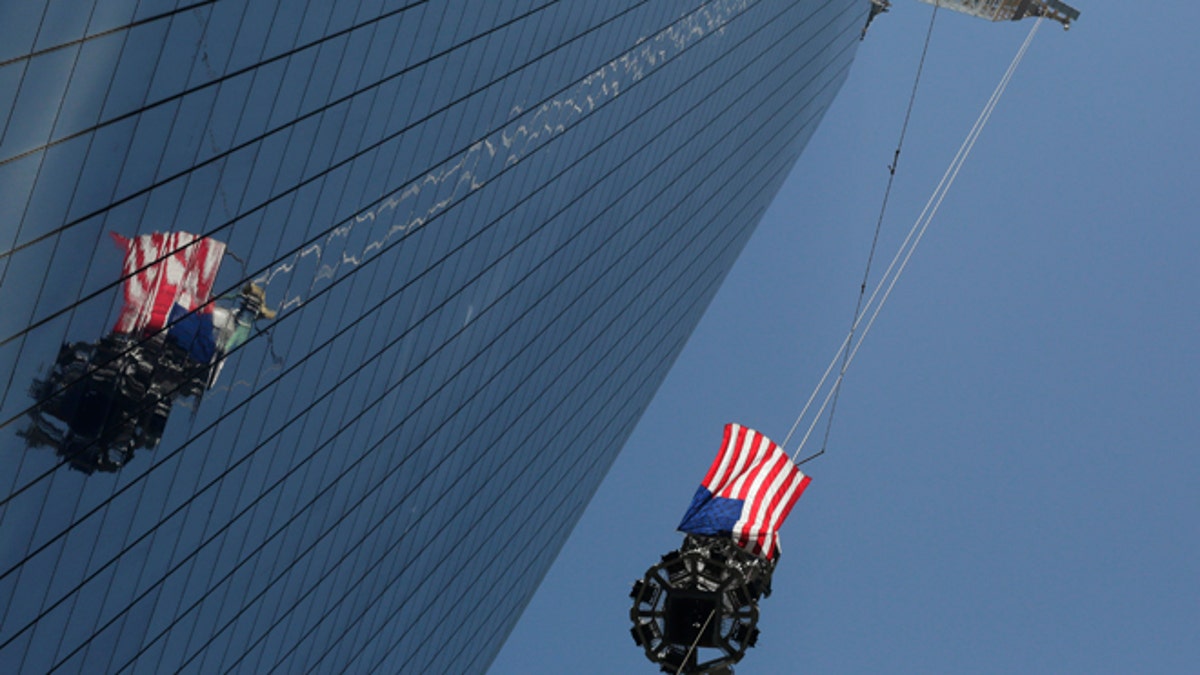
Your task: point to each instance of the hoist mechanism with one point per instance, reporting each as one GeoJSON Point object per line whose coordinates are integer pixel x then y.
{"type": "Point", "coordinates": [1009, 10]}
{"type": "Point", "coordinates": [992, 10]}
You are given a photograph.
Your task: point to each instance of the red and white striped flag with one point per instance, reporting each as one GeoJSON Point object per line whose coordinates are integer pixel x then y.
{"type": "Point", "coordinates": [748, 492]}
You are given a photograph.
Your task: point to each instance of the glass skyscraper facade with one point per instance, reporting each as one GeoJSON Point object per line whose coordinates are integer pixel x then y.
{"type": "Point", "coordinates": [487, 228]}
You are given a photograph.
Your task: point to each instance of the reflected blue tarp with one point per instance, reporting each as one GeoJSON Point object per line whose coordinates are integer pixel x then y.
{"type": "Point", "coordinates": [194, 332]}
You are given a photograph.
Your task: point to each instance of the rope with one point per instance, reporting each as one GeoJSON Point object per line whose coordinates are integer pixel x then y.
{"type": "Point", "coordinates": [904, 254]}
{"type": "Point", "coordinates": [695, 643]}
{"type": "Point", "coordinates": [875, 240]}
{"type": "Point", "coordinates": [887, 193]}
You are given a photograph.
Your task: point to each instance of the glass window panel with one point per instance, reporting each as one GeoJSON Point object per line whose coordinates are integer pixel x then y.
{"type": "Point", "coordinates": [112, 15]}
{"type": "Point", "coordinates": [369, 9]}
{"type": "Point", "coordinates": [253, 32]}
{"type": "Point", "coordinates": [222, 23]}
{"type": "Point", "coordinates": [38, 101]}
{"type": "Point", "coordinates": [19, 23]}
{"type": "Point", "coordinates": [381, 37]}
{"type": "Point", "coordinates": [179, 54]}
{"type": "Point", "coordinates": [350, 140]}
{"type": "Point", "coordinates": [331, 127]}
{"type": "Point", "coordinates": [153, 128]}
{"type": "Point", "coordinates": [142, 48]}
{"type": "Point", "coordinates": [90, 81]}
{"type": "Point", "coordinates": [301, 139]}
{"type": "Point", "coordinates": [410, 40]}
{"type": "Point", "coordinates": [313, 25]}
{"type": "Point", "coordinates": [17, 179]}
{"type": "Point", "coordinates": [226, 115]}
{"type": "Point", "coordinates": [285, 29]}
{"type": "Point", "coordinates": [342, 16]}
{"type": "Point", "coordinates": [187, 132]}
{"type": "Point", "coordinates": [10, 81]}
{"type": "Point", "coordinates": [64, 21]}
{"type": "Point", "coordinates": [324, 70]}
{"type": "Point", "coordinates": [199, 197]}
{"type": "Point", "coordinates": [260, 100]}
{"type": "Point", "coordinates": [152, 8]}
{"type": "Point", "coordinates": [96, 184]}
{"type": "Point", "coordinates": [350, 63]}
{"type": "Point", "coordinates": [287, 104]}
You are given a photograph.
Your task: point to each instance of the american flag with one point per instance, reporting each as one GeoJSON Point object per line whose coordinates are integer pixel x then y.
{"type": "Point", "coordinates": [162, 270]}
{"type": "Point", "coordinates": [748, 492]}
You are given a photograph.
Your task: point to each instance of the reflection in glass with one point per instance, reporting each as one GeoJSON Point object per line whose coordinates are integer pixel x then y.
{"type": "Point", "coordinates": [102, 401]}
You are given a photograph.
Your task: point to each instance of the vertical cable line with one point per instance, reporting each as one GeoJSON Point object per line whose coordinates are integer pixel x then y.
{"type": "Point", "coordinates": [862, 289]}
{"type": "Point", "coordinates": [915, 234]}
{"type": "Point", "coordinates": [173, 453]}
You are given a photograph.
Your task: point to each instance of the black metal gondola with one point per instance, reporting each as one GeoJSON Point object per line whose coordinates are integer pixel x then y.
{"type": "Point", "coordinates": [696, 611]}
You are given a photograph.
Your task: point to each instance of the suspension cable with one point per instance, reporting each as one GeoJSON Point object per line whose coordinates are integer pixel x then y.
{"type": "Point", "coordinates": [903, 255]}
{"type": "Point", "coordinates": [858, 308]}
{"type": "Point", "coordinates": [887, 193]}
{"type": "Point", "coordinates": [695, 643]}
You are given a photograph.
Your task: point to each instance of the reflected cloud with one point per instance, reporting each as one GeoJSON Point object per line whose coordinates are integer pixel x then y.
{"type": "Point", "coordinates": [417, 203]}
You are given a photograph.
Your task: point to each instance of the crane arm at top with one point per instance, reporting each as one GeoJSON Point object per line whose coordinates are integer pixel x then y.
{"type": "Point", "coordinates": [1012, 10]}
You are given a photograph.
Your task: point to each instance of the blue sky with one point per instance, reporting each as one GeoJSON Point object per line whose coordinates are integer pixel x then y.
{"type": "Point", "coordinates": [1010, 482]}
